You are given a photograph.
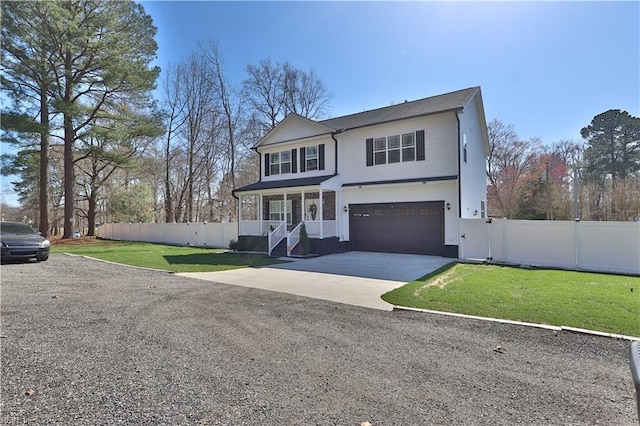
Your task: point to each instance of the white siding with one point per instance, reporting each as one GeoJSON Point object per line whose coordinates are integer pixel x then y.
{"type": "Point", "coordinates": [441, 157]}
{"type": "Point", "coordinates": [398, 193]}
{"type": "Point", "coordinates": [473, 176]}
{"type": "Point", "coordinates": [294, 127]}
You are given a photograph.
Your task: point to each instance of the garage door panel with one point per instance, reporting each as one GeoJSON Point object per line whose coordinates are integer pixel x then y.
{"type": "Point", "coordinates": [398, 228]}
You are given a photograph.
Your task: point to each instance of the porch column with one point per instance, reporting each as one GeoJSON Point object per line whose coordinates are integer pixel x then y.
{"type": "Point", "coordinates": [260, 207]}
{"type": "Point", "coordinates": [321, 218]}
{"type": "Point", "coordinates": [336, 207]}
{"type": "Point", "coordinates": [302, 207]}
{"type": "Point", "coordinates": [284, 209]}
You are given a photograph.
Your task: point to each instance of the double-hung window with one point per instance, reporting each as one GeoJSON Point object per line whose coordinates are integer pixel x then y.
{"type": "Point", "coordinates": [312, 158]}
{"type": "Point", "coordinates": [394, 149]}
{"type": "Point", "coordinates": [276, 210]}
{"type": "Point", "coordinates": [409, 147]}
{"type": "Point", "coordinates": [280, 162]}
{"type": "Point", "coordinates": [380, 150]}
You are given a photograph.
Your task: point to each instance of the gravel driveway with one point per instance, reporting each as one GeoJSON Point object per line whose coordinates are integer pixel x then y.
{"type": "Point", "coordinates": [86, 342]}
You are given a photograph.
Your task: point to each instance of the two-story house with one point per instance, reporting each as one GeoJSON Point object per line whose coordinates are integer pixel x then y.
{"type": "Point", "coordinates": [393, 179]}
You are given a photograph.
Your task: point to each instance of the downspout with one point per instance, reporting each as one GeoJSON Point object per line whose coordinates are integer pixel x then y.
{"type": "Point", "coordinates": [459, 187]}
{"type": "Point", "coordinates": [335, 173]}
{"type": "Point", "coordinates": [333, 136]}
{"type": "Point", "coordinates": [459, 169]}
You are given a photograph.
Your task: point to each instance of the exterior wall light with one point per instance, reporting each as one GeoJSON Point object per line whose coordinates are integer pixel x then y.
{"type": "Point", "coordinates": [448, 206]}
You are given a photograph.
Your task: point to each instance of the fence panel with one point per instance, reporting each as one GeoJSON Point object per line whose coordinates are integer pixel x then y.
{"type": "Point", "coordinates": [196, 234]}
{"type": "Point", "coordinates": [595, 246]}
{"type": "Point", "coordinates": [550, 243]}
{"type": "Point", "coordinates": [610, 246]}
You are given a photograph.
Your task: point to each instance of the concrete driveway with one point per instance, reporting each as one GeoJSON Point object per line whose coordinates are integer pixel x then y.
{"type": "Point", "coordinates": [354, 278]}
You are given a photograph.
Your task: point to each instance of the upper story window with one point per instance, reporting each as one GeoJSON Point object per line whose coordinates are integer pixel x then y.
{"type": "Point", "coordinates": [409, 147]}
{"type": "Point", "coordinates": [280, 162]}
{"type": "Point", "coordinates": [312, 158]}
{"type": "Point", "coordinates": [394, 149]}
{"type": "Point", "coordinates": [297, 160]}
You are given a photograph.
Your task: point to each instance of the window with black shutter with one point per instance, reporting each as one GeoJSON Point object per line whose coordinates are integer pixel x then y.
{"type": "Point", "coordinates": [294, 161]}
{"type": "Point", "coordinates": [303, 160]}
{"type": "Point", "coordinates": [321, 156]}
{"type": "Point", "coordinates": [420, 148]}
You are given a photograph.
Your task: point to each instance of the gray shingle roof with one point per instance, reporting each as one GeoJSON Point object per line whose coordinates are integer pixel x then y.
{"type": "Point", "coordinates": [440, 103]}
{"type": "Point", "coordinates": [288, 183]}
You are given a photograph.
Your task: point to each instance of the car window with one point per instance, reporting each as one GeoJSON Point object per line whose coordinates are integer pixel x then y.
{"type": "Point", "coordinates": [15, 228]}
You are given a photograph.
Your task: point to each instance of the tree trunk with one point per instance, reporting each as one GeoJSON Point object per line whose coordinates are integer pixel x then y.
{"type": "Point", "coordinates": [44, 161]}
{"type": "Point", "coordinates": [69, 138]}
{"type": "Point", "coordinates": [91, 213]}
{"type": "Point", "coordinates": [168, 204]}
{"type": "Point", "coordinates": [68, 178]}
{"type": "Point", "coordinates": [190, 185]}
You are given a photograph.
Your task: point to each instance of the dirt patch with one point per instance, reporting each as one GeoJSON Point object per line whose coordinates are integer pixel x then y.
{"type": "Point", "coordinates": [442, 281]}
{"type": "Point", "coordinates": [82, 241]}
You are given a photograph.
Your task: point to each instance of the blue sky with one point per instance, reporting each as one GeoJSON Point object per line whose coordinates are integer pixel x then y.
{"type": "Point", "coordinates": [546, 67]}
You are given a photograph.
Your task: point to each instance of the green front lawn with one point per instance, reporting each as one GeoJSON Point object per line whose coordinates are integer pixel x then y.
{"type": "Point", "coordinates": [609, 303]}
{"type": "Point", "coordinates": [158, 256]}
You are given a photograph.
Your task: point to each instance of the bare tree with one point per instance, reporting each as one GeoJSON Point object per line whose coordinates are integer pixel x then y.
{"type": "Point", "coordinates": [175, 119]}
{"type": "Point", "coordinates": [231, 111]}
{"type": "Point", "coordinates": [510, 159]}
{"type": "Point", "coordinates": [275, 90]}
{"type": "Point", "coordinates": [263, 91]}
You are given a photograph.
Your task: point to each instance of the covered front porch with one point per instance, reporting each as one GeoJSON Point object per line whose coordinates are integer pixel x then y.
{"type": "Point", "coordinates": [273, 217]}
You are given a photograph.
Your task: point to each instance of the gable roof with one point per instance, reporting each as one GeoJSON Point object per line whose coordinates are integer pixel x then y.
{"type": "Point", "coordinates": [294, 127]}
{"type": "Point", "coordinates": [453, 101]}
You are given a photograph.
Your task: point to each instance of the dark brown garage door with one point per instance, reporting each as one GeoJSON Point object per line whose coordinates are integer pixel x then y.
{"type": "Point", "coordinates": [416, 228]}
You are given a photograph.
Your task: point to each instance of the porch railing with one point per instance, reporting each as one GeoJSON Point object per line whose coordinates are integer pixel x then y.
{"type": "Point", "coordinates": [328, 228]}
{"type": "Point", "coordinates": [257, 227]}
{"type": "Point", "coordinates": [277, 235]}
{"type": "Point", "coordinates": [293, 238]}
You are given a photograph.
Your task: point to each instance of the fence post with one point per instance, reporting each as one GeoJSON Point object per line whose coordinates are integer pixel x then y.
{"type": "Point", "coordinates": [578, 242]}
{"type": "Point", "coordinates": [488, 223]}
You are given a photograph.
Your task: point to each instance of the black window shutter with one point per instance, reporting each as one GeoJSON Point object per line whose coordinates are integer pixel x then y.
{"type": "Point", "coordinates": [420, 145]}
{"type": "Point", "coordinates": [303, 160]}
{"type": "Point", "coordinates": [294, 161]}
{"type": "Point", "coordinates": [370, 152]}
{"type": "Point", "coordinates": [321, 156]}
{"type": "Point", "coordinates": [267, 169]}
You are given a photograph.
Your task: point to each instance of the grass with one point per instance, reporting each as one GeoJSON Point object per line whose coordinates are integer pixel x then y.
{"type": "Point", "coordinates": [158, 256]}
{"type": "Point", "coordinates": [563, 298]}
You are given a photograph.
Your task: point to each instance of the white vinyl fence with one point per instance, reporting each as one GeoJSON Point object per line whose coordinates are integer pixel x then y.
{"type": "Point", "coordinates": [215, 235]}
{"type": "Point", "coordinates": [593, 246]}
